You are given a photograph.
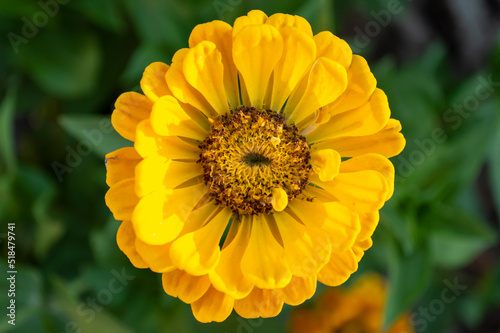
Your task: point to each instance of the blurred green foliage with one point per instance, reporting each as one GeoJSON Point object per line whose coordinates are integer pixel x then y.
{"type": "Point", "coordinates": [58, 83]}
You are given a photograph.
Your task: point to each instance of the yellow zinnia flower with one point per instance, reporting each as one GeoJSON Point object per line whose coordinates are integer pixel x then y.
{"type": "Point", "coordinates": [235, 189]}
{"type": "Point", "coordinates": [357, 309]}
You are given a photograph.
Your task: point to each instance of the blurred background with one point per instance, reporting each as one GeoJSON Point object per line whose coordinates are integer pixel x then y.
{"type": "Point", "coordinates": [63, 64]}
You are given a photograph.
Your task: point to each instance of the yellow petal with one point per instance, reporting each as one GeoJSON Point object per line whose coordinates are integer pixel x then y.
{"type": "Point", "coordinates": [338, 269]}
{"type": "Point", "coordinates": [263, 262]}
{"type": "Point", "coordinates": [198, 252]}
{"type": "Point", "coordinates": [363, 191]}
{"type": "Point", "coordinates": [200, 216]}
{"type": "Point", "coordinates": [360, 247]}
{"type": "Point", "coordinates": [298, 290]}
{"type": "Point", "coordinates": [368, 222]}
{"type": "Point", "coordinates": [148, 143]}
{"type": "Point", "coordinates": [150, 223]}
{"type": "Point", "coordinates": [155, 173]}
{"type": "Point", "coordinates": [181, 88]}
{"type": "Point", "coordinates": [280, 21]}
{"type": "Point", "coordinates": [368, 119]}
{"type": "Point", "coordinates": [245, 100]}
{"type": "Point", "coordinates": [149, 175]}
{"type": "Point", "coordinates": [153, 82]}
{"type": "Point", "coordinates": [323, 116]}
{"type": "Point", "coordinates": [121, 199]}
{"type": "Point", "coordinates": [259, 303]}
{"type": "Point", "coordinates": [253, 17]}
{"type": "Point", "coordinates": [120, 165]}
{"type": "Point", "coordinates": [299, 53]}
{"type": "Point", "coordinates": [326, 163]}
{"type": "Point", "coordinates": [330, 46]}
{"type": "Point", "coordinates": [125, 237]}
{"type": "Point", "coordinates": [387, 142]}
{"type": "Point", "coordinates": [168, 118]}
{"type": "Point", "coordinates": [203, 69]}
{"type": "Point", "coordinates": [361, 85]}
{"type": "Point", "coordinates": [326, 81]}
{"type": "Point", "coordinates": [306, 249]}
{"type": "Point", "coordinates": [256, 51]}
{"type": "Point", "coordinates": [334, 219]}
{"type": "Point", "coordinates": [160, 216]}
{"type": "Point", "coordinates": [130, 109]}
{"type": "Point", "coordinates": [279, 199]}
{"type": "Point", "coordinates": [187, 288]}
{"type": "Point", "coordinates": [220, 33]}
{"type": "Point", "coordinates": [226, 276]}
{"type": "Point", "coordinates": [157, 257]}
{"type": "Point", "coordinates": [213, 306]}
{"type": "Point", "coordinates": [375, 162]}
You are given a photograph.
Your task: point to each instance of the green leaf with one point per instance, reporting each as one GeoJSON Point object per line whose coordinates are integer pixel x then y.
{"type": "Point", "coordinates": [456, 237]}
{"type": "Point", "coordinates": [409, 277]}
{"type": "Point", "coordinates": [103, 244]}
{"type": "Point", "coordinates": [102, 322]}
{"type": "Point", "coordinates": [48, 229]}
{"type": "Point", "coordinates": [64, 64]}
{"type": "Point", "coordinates": [319, 13]}
{"type": "Point", "coordinates": [402, 224]}
{"type": "Point", "coordinates": [93, 131]}
{"type": "Point", "coordinates": [18, 8]}
{"type": "Point", "coordinates": [144, 55]}
{"type": "Point", "coordinates": [414, 95]}
{"type": "Point", "coordinates": [446, 167]}
{"type": "Point", "coordinates": [7, 109]}
{"type": "Point", "coordinates": [158, 22]}
{"type": "Point", "coordinates": [105, 13]}
{"type": "Point", "coordinates": [494, 168]}
{"type": "Point", "coordinates": [471, 310]}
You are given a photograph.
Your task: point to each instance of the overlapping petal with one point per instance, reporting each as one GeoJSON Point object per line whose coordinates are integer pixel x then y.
{"type": "Point", "coordinates": [198, 252]}
{"type": "Point", "coordinates": [263, 303]}
{"type": "Point", "coordinates": [125, 238]}
{"type": "Point", "coordinates": [263, 264]}
{"type": "Point", "coordinates": [120, 165]}
{"type": "Point", "coordinates": [299, 53]}
{"type": "Point", "coordinates": [186, 287]}
{"type": "Point", "coordinates": [339, 268]}
{"type": "Point", "coordinates": [202, 67]}
{"type": "Point", "coordinates": [226, 276]}
{"type": "Point", "coordinates": [280, 21]}
{"type": "Point", "coordinates": [298, 290]}
{"type": "Point", "coordinates": [130, 109]}
{"type": "Point", "coordinates": [367, 119]}
{"type": "Point", "coordinates": [388, 142]}
{"type": "Point", "coordinates": [148, 143]}
{"type": "Point", "coordinates": [256, 51]}
{"type": "Point", "coordinates": [220, 33]}
{"type": "Point", "coordinates": [153, 82]}
{"type": "Point", "coordinates": [160, 216]}
{"type": "Point", "coordinates": [212, 306]}
{"type": "Point", "coordinates": [326, 81]}
{"type": "Point", "coordinates": [121, 199]}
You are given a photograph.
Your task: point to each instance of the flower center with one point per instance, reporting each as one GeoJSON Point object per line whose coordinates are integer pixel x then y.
{"type": "Point", "coordinates": [250, 152]}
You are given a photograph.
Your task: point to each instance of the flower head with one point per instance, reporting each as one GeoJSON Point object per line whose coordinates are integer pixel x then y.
{"type": "Point", "coordinates": [357, 309]}
{"type": "Point", "coordinates": [258, 168]}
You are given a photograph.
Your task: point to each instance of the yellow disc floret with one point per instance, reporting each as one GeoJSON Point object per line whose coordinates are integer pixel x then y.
{"type": "Point", "coordinates": [248, 154]}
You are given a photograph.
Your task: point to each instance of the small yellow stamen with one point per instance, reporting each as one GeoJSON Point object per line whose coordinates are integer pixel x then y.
{"type": "Point", "coordinates": [279, 199]}
{"type": "Point", "coordinates": [326, 163]}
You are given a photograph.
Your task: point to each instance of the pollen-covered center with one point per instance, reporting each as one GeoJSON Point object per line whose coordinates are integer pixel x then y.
{"type": "Point", "coordinates": [250, 152]}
